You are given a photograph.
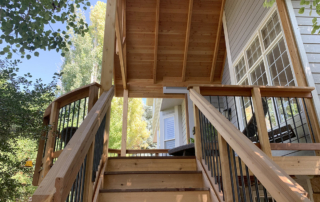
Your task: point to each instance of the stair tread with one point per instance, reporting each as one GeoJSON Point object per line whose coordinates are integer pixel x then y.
{"type": "Point", "coordinates": [151, 172]}
{"type": "Point", "coordinates": [155, 157]}
{"type": "Point", "coordinates": [153, 190]}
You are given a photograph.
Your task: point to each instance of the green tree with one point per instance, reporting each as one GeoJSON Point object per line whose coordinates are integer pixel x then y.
{"type": "Point", "coordinates": [26, 25]}
{"type": "Point", "coordinates": [82, 65]}
{"type": "Point", "coordinates": [22, 103]}
{"type": "Point", "coordinates": [312, 5]}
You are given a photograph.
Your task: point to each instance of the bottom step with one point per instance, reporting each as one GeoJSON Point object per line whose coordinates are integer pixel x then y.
{"type": "Point", "coordinates": [153, 195]}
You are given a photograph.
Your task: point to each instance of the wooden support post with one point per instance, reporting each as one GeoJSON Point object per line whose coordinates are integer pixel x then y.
{"type": "Point", "coordinates": [197, 136]}
{"type": "Point", "coordinates": [124, 123]}
{"type": "Point", "coordinates": [261, 122]}
{"type": "Point", "coordinates": [108, 47]}
{"type": "Point", "coordinates": [297, 66]}
{"type": "Point", "coordinates": [54, 115]}
{"type": "Point", "coordinates": [88, 185]}
{"type": "Point", "coordinates": [187, 118]}
{"type": "Point", "coordinates": [225, 169]}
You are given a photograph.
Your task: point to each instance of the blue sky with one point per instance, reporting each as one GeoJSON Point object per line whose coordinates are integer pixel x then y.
{"type": "Point", "coordinates": [48, 62]}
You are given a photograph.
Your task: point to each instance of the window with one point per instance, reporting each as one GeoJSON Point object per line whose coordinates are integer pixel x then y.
{"type": "Point", "coordinates": [265, 61]}
{"type": "Point", "coordinates": [169, 137]}
{"type": "Point", "coordinates": [240, 69]}
{"type": "Point", "coordinates": [278, 61]}
{"type": "Point", "coordinates": [271, 30]}
{"type": "Point", "coordinates": [254, 52]}
{"type": "Point", "coordinates": [259, 75]}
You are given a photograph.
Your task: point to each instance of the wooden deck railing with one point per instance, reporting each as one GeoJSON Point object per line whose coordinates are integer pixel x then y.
{"type": "Point", "coordinates": [56, 115]}
{"type": "Point", "coordinates": [139, 152]}
{"type": "Point", "coordinates": [229, 157]}
{"type": "Point", "coordinates": [67, 174]}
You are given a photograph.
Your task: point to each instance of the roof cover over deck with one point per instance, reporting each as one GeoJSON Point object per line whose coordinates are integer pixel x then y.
{"type": "Point", "coordinates": [167, 43]}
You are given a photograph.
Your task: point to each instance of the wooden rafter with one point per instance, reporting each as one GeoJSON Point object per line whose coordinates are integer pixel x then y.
{"type": "Point", "coordinates": [216, 48]}
{"type": "Point", "coordinates": [156, 32]}
{"type": "Point", "coordinates": [121, 55]}
{"type": "Point", "coordinates": [186, 46]}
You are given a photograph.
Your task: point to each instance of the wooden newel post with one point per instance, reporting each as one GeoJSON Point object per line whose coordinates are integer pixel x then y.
{"type": "Point", "coordinates": [124, 123]}
{"type": "Point", "coordinates": [88, 185]}
{"type": "Point", "coordinates": [261, 122]}
{"type": "Point", "coordinates": [197, 135]}
{"type": "Point", "coordinates": [225, 169]}
{"type": "Point", "coordinates": [54, 115]}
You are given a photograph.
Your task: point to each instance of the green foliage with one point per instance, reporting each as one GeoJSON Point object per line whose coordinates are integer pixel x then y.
{"type": "Point", "coordinates": [311, 5]}
{"type": "Point", "coordinates": [26, 24]}
{"type": "Point", "coordinates": [191, 140]}
{"type": "Point", "coordinates": [22, 103]}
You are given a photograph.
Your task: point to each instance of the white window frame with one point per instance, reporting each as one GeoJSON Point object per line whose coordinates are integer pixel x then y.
{"type": "Point", "coordinates": [174, 123]}
{"type": "Point", "coordinates": [263, 57]}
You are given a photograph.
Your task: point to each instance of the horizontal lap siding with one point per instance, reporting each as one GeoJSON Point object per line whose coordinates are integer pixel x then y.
{"type": "Point", "coordinates": [311, 42]}
{"type": "Point", "coordinates": [243, 18]}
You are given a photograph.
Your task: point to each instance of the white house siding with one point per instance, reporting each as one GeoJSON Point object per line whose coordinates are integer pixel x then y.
{"type": "Point", "coordinates": [311, 43]}
{"type": "Point", "coordinates": [243, 18]}
{"type": "Point", "coordinates": [184, 123]}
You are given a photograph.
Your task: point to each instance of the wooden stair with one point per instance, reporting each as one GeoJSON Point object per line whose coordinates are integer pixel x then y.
{"type": "Point", "coordinates": [153, 179]}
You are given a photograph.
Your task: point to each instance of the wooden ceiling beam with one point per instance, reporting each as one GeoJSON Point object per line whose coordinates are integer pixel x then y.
{"type": "Point", "coordinates": [216, 48]}
{"type": "Point", "coordinates": [186, 46]}
{"type": "Point", "coordinates": [120, 48]}
{"type": "Point", "coordinates": [156, 42]}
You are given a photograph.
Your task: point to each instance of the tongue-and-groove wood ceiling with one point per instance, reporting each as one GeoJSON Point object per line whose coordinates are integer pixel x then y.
{"type": "Point", "coordinates": [167, 43]}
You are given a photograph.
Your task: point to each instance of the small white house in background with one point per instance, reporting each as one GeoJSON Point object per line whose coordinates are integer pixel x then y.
{"type": "Point", "coordinates": [171, 126]}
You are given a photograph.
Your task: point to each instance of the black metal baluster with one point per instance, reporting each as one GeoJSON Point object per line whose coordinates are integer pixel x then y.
{"type": "Point", "coordinates": [231, 176]}
{"type": "Point", "coordinates": [302, 125]}
{"type": "Point", "coordinates": [56, 145]}
{"type": "Point", "coordinates": [236, 109]}
{"type": "Point", "coordinates": [285, 118]}
{"type": "Point", "coordinates": [257, 189]}
{"type": "Point", "coordinates": [242, 179]}
{"type": "Point", "coordinates": [64, 120]}
{"type": "Point", "coordinates": [201, 135]}
{"type": "Point", "coordinates": [217, 159]}
{"type": "Point", "coordinates": [265, 194]}
{"type": "Point", "coordinates": [83, 179]}
{"type": "Point", "coordinates": [204, 139]}
{"type": "Point", "coordinates": [219, 151]}
{"type": "Point", "coordinates": [276, 111]}
{"type": "Point", "coordinates": [294, 122]}
{"type": "Point", "coordinates": [305, 106]}
{"type": "Point", "coordinates": [270, 122]}
{"type": "Point", "coordinates": [249, 183]}
{"type": "Point", "coordinates": [66, 131]}
{"type": "Point", "coordinates": [71, 134]}
{"type": "Point", "coordinates": [245, 117]}
{"type": "Point", "coordinates": [236, 175]}
{"type": "Point", "coordinates": [209, 149]}
{"type": "Point", "coordinates": [254, 121]}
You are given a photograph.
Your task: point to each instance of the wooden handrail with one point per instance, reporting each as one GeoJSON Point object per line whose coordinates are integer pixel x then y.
{"type": "Point", "coordinates": [279, 184]}
{"type": "Point", "coordinates": [58, 182]}
{"type": "Point", "coordinates": [266, 91]}
{"type": "Point", "coordinates": [71, 96]}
